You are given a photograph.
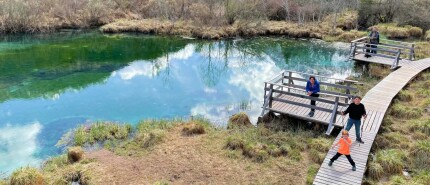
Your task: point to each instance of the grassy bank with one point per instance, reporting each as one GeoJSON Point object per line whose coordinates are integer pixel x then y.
{"type": "Point", "coordinates": [403, 143]}
{"type": "Point", "coordinates": [237, 154]}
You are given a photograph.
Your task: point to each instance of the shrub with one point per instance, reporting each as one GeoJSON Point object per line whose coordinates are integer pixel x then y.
{"type": "Point", "coordinates": [240, 120]}
{"type": "Point", "coordinates": [26, 176]}
{"type": "Point", "coordinates": [75, 154]}
{"type": "Point", "coordinates": [391, 160]}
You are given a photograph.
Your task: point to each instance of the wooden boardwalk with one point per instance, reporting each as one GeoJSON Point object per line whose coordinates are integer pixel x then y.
{"type": "Point", "coordinates": [377, 101]}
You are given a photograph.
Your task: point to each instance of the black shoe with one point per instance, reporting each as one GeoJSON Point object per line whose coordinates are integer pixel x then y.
{"type": "Point", "coordinates": [353, 168]}
{"type": "Point", "coordinates": [311, 114]}
{"type": "Point", "coordinates": [330, 163]}
{"type": "Point", "coordinates": [360, 141]}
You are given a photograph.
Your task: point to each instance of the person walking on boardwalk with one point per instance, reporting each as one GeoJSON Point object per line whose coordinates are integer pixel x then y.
{"type": "Point", "coordinates": [312, 89]}
{"type": "Point", "coordinates": [344, 149]}
{"type": "Point", "coordinates": [355, 110]}
{"type": "Point", "coordinates": [373, 39]}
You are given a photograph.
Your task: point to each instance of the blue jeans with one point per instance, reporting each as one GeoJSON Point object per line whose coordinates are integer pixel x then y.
{"type": "Point", "coordinates": [356, 123]}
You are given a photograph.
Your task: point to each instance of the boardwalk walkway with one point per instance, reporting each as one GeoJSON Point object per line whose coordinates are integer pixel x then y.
{"type": "Point", "coordinates": [376, 101]}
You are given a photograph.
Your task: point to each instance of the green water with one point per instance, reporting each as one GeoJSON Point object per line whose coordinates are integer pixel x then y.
{"type": "Point", "coordinates": [52, 83]}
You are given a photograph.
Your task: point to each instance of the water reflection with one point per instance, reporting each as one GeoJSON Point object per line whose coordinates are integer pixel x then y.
{"type": "Point", "coordinates": [18, 146]}
{"type": "Point", "coordinates": [127, 78]}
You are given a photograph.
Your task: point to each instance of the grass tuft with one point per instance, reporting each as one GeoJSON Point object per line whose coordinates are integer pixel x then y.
{"type": "Point", "coordinates": [311, 173]}
{"type": "Point", "coordinates": [26, 176]}
{"type": "Point", "coordinates": [75, 154]}
{"type": "Point", "coordinates": [391, 160]}
{"type": "Point", "coordinates": [405, 112]}
{"type": "Point", "coordinates": [239, 120]}
{"type": "Point", "coordinates": [405, 96]}
{"type": "Point", "coordinates": [375, 170]}
{"type": "Point", "coordinates": [192, 128]}
{"type": "Point", "coordinates": [421, 155]}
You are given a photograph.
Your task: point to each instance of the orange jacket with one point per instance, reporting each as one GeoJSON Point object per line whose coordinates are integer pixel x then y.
{"type": "Point", "coordinates": [344, 147]}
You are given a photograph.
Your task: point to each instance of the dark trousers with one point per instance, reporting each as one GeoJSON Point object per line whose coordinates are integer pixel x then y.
{"type": "Point", "coordinates": [313, 101]}
{"type": "Point", "coordinates": [347, 156]}
{"type": "Point", "coordinates": [373, 46]}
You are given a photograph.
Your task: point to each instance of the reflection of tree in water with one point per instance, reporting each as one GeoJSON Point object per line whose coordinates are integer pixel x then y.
{"type": "Point", "coordinates": [215, 63]}
{"type": "Point", "coordinates": [43, 70]}
{"type": "Point", "coordinates": [221, 55]}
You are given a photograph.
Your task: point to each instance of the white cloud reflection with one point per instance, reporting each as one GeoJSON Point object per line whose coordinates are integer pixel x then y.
{"type": "Point", "coordinates": [18, 145]}
{"type": "Point", "coordinates": [152, 68]}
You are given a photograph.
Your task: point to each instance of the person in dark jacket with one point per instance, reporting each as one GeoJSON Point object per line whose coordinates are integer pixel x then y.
{"type": "Point", "coordinates": [312, 89]}
{"type": "Point", "coordinates": [355, 110]}
{"type": "Point", "coordinates": [374, 39]}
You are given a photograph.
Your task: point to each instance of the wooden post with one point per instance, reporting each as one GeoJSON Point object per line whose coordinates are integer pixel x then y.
{"type": "Point", "coordinates": [396, 60]}
{"type": "Point", "coordinates": [267, 98]}
{"type": "Point", "coordinates": [282, 81]}
{"type": "Point", "coordinates": [270, 95]}
{"type": "Point", "coordinates": [353, 49]}
{"type": "Point", "coordinates": [412, 52]}
{"type": "Point", "coordinates": [333, 116]}
{"type": "Point", "coordinates": [348, 84]}
{"type": "Point", "coordinates": [289, 79]}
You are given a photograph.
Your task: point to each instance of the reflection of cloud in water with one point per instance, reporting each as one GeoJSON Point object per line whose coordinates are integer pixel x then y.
{"type": "Point", "coordinates": [18, 145]}
{"type": "Point", "coordinates": [152, 68]}
{"type": "Point", "coordinates": [249, 78]}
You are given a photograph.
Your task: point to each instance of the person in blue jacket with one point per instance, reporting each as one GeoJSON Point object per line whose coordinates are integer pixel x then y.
{"type": "Point", "coordinates": [312, 89]}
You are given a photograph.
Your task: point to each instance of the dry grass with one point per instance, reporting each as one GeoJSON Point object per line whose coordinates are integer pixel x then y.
{"type": "Point", "coordinates": [75, 154]}
{"type": "Point", "coordinates": [403, 141]}
{"type": "Point", "coordinates": [194, 128]}
{"type": "Point", "coordinates": [427, 35]}
{"type": "Point", "coordinates": [239, 120]}
{"type": "Point", "coordinates": [27, 176]}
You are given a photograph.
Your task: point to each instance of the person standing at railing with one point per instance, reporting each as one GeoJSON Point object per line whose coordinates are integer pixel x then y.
{"type": "Point", "coordinates": [356, 110]}
{"type": "Point", "coordinates": [312, 89]}
{"type": "Point", "coordinates": [373, 39]}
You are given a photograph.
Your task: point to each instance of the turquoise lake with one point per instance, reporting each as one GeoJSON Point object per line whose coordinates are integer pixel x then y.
{"type": "Point", "coordinates": [49, 84]}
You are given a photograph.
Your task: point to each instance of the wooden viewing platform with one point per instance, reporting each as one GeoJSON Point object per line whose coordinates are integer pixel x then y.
{"type": "Point", "coordinates": [286, 94]}
{"type": "Point", "coordinates": [388, 52]}
{"type": "Point", "coordinates": [283, 95]}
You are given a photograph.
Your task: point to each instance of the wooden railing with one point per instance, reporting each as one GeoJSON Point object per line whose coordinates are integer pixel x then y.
{"type": "Point", "coordinates": [284, 84]}
{"type": "Point", "coordinates": [386, 48]}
